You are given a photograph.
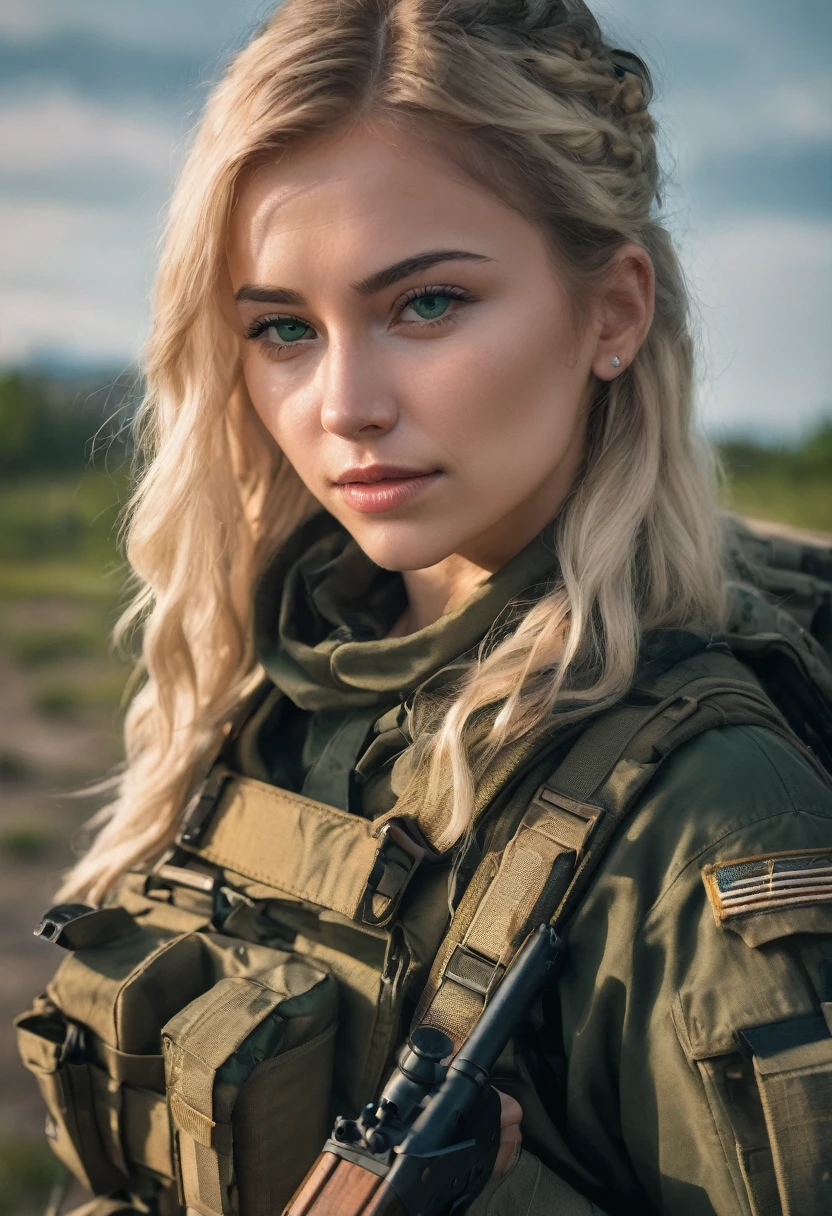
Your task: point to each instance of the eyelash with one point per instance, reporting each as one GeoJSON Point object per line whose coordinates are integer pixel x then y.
{"type": "Point", "coordinates": [257, 329]}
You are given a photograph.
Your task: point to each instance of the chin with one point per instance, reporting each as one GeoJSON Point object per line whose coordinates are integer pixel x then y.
{"type": "Point", "coordinates": [403, 544]}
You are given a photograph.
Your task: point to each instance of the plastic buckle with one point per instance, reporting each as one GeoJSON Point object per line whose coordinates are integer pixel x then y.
{"type": "Point", "coordinates": [204, 805]}
{"type": "Point", "coordinates": [473, 971]}
{"type": "Point", "coordinates": [389, 877]}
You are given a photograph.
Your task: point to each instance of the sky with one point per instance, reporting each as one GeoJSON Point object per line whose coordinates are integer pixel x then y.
{"type": "Point", "coordinates": [97, 101]}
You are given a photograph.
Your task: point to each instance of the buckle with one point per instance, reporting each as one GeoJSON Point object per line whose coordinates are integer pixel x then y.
{"type": "Point", "coordinates": [203, 806]}
{"type": "Point", "coordinates": [395, 863]}
{"type": "Point", "coordinates": [473, 971]}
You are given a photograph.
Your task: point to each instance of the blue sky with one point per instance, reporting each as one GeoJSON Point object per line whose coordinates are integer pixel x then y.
{"type": "Point", "coordinates": [97, 99]}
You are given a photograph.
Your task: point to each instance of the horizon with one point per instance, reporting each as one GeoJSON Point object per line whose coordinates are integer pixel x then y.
{"type": "Point", "coordinates": [98, 102]}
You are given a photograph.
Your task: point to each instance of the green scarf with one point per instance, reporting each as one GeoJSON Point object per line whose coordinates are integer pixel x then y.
{"type": "Point", "coordinates": [323, 607]}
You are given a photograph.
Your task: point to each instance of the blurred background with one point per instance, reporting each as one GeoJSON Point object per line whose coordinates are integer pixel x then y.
{"type": "Point", "coordinates": [97, 101]}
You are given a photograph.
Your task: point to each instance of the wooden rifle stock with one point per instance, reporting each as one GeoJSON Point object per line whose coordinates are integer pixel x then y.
{"type": "Point", "coordinates": [335, 1187]}
{"type": "Point", "coordinates": [429, 1143]}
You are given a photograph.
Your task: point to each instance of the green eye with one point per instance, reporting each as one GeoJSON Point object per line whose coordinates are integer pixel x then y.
{"type": "Point", "coordinates": [434, 306]}
{"type": "Point", "coordinates": [286, 331]}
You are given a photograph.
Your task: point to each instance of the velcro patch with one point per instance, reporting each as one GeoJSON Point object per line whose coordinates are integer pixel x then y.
{"type": "Point", "coordinates": [766, 883]}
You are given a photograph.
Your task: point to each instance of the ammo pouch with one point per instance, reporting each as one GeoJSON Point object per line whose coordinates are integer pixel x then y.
{"type": "Point", "coordinates": [185, 1069]}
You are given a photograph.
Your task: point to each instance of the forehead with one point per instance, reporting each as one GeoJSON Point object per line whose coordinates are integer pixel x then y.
{"type": "Point", "coordinates": [363, 194]}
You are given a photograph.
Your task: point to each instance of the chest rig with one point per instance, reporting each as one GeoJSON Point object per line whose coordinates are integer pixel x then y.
{"type": "Point", "coordinates": [210, 1021]}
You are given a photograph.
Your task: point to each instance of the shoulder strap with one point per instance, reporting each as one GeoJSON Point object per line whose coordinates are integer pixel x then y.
{"type": "Point", "coordinates": [570, 820]}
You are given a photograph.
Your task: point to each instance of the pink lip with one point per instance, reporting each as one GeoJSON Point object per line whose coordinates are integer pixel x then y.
{"type": "Point", "coordinates": [379, 472]}
{"type": "Point", "coordinates": [372, 497]}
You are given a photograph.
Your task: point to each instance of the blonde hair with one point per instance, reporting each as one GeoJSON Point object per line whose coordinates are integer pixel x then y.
{"type": "Point", "coordinates": [524, 96]}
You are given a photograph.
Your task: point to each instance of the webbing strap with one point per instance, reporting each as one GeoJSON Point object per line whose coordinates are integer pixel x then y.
{"type": "Point", "coordinates": [573, 815]}
{"type": "Point", "coordinates": [507, 894]}
{"type": "Point", "coordinates": [301, 847]}
{"type": "Point", "coordinates": [196, 1045]}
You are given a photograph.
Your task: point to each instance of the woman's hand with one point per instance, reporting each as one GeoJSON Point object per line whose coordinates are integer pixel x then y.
{"type": "Point", "coordinates": [511, 1112]}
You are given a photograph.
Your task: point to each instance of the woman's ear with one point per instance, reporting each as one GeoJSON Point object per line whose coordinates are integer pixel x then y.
{"type": "Point", "coordinates": [625, 310]}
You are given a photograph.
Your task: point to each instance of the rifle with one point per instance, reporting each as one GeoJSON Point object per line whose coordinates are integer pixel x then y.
{"type": "Point", "coordinates": [428, 1146]}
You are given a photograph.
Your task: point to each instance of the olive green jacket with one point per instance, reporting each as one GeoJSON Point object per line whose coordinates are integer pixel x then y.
{"type": "Point", "coordinates": [638, 1090]}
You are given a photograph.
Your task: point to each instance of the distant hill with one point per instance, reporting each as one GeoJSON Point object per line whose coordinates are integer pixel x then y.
{"type": "Point", "coordinates": [50, 423]}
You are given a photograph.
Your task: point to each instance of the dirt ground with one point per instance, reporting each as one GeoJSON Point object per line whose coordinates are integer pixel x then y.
{"type": "Point", "coordinates": [47, 748]}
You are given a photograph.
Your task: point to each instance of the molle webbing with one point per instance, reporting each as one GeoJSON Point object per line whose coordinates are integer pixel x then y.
{"type": "Point", "coordinates": [543, 870]}
{"type": "Point", "coordinates": [300, 847]}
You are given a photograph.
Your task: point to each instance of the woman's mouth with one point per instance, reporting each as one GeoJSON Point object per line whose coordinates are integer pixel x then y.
{"type": "Point", "coordinates": [372, 497]}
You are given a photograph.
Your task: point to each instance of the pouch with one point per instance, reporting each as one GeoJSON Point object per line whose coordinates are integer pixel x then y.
{"type": "Point", "coordinates": [120, 1113]}
{"type": "Point", "coordinates": [249, 1073]}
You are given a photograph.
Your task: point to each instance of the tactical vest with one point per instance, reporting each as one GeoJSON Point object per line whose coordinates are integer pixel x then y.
{"type": "Point", "coordinates": [209, 1022]}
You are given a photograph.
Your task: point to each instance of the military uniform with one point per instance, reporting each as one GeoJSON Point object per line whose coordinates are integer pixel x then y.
{"type": "Point", "coordinates": [635, 1084]}
{"type": "Point", "coordinates": [681, 1064]}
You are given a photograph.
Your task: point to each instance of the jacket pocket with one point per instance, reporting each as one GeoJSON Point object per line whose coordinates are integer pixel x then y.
{"type": "Point", "coordinates": [53, 1049]}
{"type": "Point", "coordinates": [249, 1072]}
{"type": "Point", "coordinates": [761, 1042]}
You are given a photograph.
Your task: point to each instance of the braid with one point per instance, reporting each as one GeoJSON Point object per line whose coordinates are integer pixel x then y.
{"type": "Point", "coordinates": [561, 49]}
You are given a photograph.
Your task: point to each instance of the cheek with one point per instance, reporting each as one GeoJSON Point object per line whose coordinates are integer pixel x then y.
{"type": "Point", "coordinates": [287, 423]}
{"type": "Point", "coordinates": [511, 394]}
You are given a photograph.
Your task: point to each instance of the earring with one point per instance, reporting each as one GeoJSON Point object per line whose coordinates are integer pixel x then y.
{"type": "Point", "coordinates": [616, 362]}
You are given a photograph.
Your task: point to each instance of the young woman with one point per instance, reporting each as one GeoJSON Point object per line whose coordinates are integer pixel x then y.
{"type": "Point", "coordinates": [418, 446]}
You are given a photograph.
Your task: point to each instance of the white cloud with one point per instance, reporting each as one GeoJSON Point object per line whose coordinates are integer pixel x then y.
{"type": "Point", "coordinates": [59, 131]}
{"type": "Point", "coordinates": [74, 279]}
{"type": "Point", "coordinates": [204, 25]}
{"type": "Point", "coordinates": [703, 125]}
{"type": "Point", "coordinates": [57, 323]}
{"type": "Point", "coordinates": [738, 78]}
{"type": "Point", "coordinates": [764, 290]}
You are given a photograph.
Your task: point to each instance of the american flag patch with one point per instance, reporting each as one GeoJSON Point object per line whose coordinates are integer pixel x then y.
{"type": "Point", "coordinates": [763, 884]}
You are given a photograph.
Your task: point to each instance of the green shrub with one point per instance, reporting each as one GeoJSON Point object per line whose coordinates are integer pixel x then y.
{"type": "Point", "coordinates": [28, 1171]}
{"type": "Point", "coordinates": [24, 842]}
{"type": "Point", "coordinates": [35, 647]}
{"type": "Point", "coordinates": [14, 767]}
{"type": "Point", "coordinates": [58, 701]}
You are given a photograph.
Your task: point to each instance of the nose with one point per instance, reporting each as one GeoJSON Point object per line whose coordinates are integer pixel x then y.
{"type": "Point", "coordinates": [354, 395]}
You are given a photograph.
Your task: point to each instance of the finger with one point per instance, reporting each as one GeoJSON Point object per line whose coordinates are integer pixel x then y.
{"type": "Point", "coordinates": [509, 1150]}
{"type": "Point", "coordinates": [511, 1111]}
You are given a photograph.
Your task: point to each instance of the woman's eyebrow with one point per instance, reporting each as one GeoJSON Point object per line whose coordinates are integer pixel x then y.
{"type": "Point", "coordinates": [365, 287]}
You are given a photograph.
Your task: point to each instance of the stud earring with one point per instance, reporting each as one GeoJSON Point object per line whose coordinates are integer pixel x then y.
{"type": "Point", "coordinates": [616, 362]}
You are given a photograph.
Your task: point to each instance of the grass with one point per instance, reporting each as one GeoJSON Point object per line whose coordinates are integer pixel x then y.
{"type": "Point", "coordinates": [39, 647]}
{"type": "Point", "coordinates": [56, 579]}
{"type": "Point", "coordinates": [777, 496]}
{"type": "Point", "coordinates": [791, 485]}
{"type": "Point", "coordinates": [22, 842]}
{"type": "Point", "coordinates": [66, 700]}
{"type": "Point", "coordinates": [28, 1171]}
{"type": "Point", "coordinates": [70, 517]}
{"type": "Point", "coordinates": [14, 767]}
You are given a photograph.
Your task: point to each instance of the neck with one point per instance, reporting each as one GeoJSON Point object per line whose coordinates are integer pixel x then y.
{"type": "Point", "coordinates": [437, 590]}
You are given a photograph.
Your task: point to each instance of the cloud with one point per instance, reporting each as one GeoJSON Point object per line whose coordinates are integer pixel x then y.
{"type": "Point", "coordinates": [763, 290]}
{"type": "Point", "coordinates": [739, 78]}
{"type": "Point", "coordinates": [96, 99]}
{"type": "Point", "coordinates": [74, 279]}
{"type": "Point", "coordinates": [201, 27]}
{"type": "Point", "coordinates": [60, 131]}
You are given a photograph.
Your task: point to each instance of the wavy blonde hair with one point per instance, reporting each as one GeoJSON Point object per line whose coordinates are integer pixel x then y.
{"type": "Point", "coordinates": [524, 97]}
